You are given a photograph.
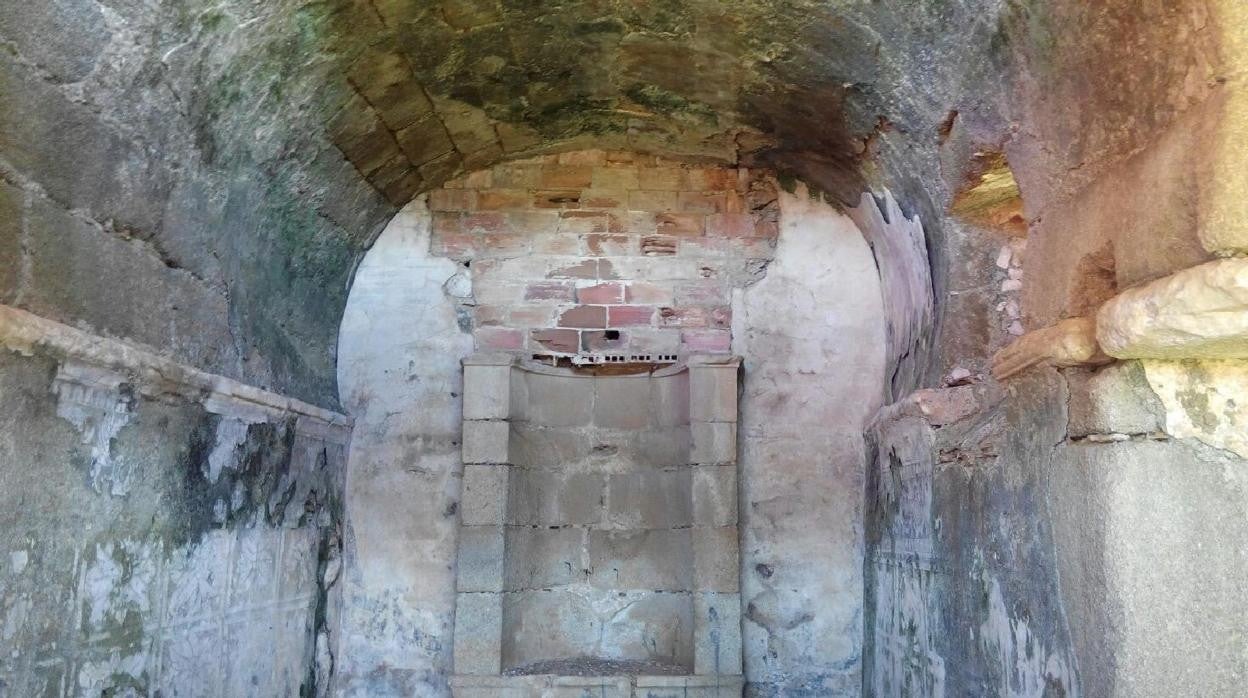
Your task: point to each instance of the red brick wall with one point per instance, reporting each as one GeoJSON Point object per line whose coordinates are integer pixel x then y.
{"type": "Point", "coordinates": [567, 251]}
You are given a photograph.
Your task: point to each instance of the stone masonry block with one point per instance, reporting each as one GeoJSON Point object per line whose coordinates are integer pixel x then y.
{"type": "Point", "coordinates": [481, 554]}
{"type": "Point", "coordinates": [559, 401]}
{"type": "Point", "coordinates": [714, 495]}
{"type": "Point", "coordinates": [621, 402]}
{"type": "Point", "coordinates": [716, 564]}
{"type": "Point", "coordinates": [484, 498]}
{"type": "Point", "coordinates": [707, 686]}
{"type": "Point", "coordinates": [478, 634]}
{"type": "Point", "coordinates": [542, 557]}
{"type": "Point", "coordinates": [554, 498]}
{"type": "Point", "coordinates": [714, 443]}
{"type": "Point", "coordinates": [713, 392]}
{"type": "Point", "coordinates": [717, 634]}
{"type": "Point", "coordinates": [1115, 399]}
{"type": "Point", "coordinates": [653, 560]}
{"type": "Point", "coordinates": [485, 441]}
{"type": "Point", "coordinates": [649, 499]}
{"type": "Point", "coordinates": [487, 391]}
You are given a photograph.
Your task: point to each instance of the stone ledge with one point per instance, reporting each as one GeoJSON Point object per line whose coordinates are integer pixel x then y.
{"type": "Point", "coordinates": [26, 333]}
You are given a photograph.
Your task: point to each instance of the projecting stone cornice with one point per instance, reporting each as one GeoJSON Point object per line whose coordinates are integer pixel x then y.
{"type": "Point", "coordinates": [152, 374]}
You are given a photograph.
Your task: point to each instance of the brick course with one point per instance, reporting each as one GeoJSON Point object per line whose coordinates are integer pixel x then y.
{"type": "Point", "coordinates": [565, 248]}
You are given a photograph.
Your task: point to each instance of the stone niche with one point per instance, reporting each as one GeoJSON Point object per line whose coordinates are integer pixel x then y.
{"type": "Point", "coordinates": [598, 548]}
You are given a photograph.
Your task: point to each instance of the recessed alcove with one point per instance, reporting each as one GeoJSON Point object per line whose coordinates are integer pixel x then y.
{"type": "Point", "coordinates": [599, 525]}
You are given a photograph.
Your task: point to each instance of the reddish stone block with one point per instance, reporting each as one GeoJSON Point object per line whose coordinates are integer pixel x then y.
{"type": "Point", "coordinates": [684, 224]}
{"type": "Point", "coordinates": [622, 178]}
{"type": "Point", "coordinates": [581, 222]}
{"type": "Point", "coordinates": [549, 291]}
{"type": "Point", "coordinates": [584, 316]}
{"type": "Point", "coordinates": [715, 341]}
{"type": "Point", "coordinates": [607, 245]}
{"type": "Point", "coordinates": [504, 245]}
{"type": "Point", "coordinates": [603, 340]}
{"type": "Point", "coordinates": [631, 222]}
{"type": "Point", "coordinates": [587, 269]}
{"type": "Point", "coordinates": [604, 198]}
{"type": "Point", "coordinates": [712, 179]}
{"type": "Point", "coordinates": [693, 316]}
{"type": "Point", "coordinates": [628, 315]}
{"type": "Point", "coordinates": [649, 200]}
{"type": "Point", "coordinates": [499, 338]}
{"type": "Point", "coordinates": [731, 225]}
{"type": "Point", "coordinates": [531, 316]}
{"type": "Point", "coordinates": [557, 198]}
{"type": "Point", "coordinates": [606, 270]}
{"type": "Point", "coordinates": [701, 202]}
{"type": "Point", "coordinates": [601, 294]}
{"type": "Point", "coordinates": [561, 341]}
{"type": "Point", "coordinates": [664, 178]}
{"type": "Point", "coordinates": [582, 157]}
{"type": "Point", "coordinates": [500, 199]}
{"type": "Point", "coordinates": [566, 177]}
{"type": "Point", "coordinates": [720, 317]}
{"type": "Point", "coordinates": [642, 292]}
{"type": "Point", "coordinates": [734, 202]}
{"type": "Point", "coordinates": [490, 315]}
{"type": "Point", "coordinates": [556, 244]}
{"type": "Point", "coordinates": [450, 200]}
{"type": "Point", "coordinates": [658, 246]}
{"type": "Point", "coordinates": [491, 222]}
{"type": "Point", "coordinates": [533, 222]}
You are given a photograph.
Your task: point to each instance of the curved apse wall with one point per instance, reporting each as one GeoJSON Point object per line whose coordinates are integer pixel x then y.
{"type": "Point", "coordinates": [809, 321]}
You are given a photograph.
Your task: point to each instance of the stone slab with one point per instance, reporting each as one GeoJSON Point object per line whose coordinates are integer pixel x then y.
{"type": "Point", "coordinates": [486, 441]}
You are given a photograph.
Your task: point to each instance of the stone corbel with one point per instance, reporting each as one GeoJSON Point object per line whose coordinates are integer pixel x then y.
{"type": "Point", "coordinates": [1197, 313]}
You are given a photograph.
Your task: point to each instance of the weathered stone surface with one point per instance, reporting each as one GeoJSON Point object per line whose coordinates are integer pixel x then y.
{"type": "Point", "coordinates": [1198, 313]}
{"type": "Point", "coordinates": [487, 391]}
{"type": "Point", "coordinates": [714, 495]}
{"type": "Point", "coordinates": [478, 628]}
{"type": "Point", "coordinates": [649, 499]}
{"type": "Point", "coordinates": [479, 564]}
{"type": "Point", "coordinates": [717, 633]}
{"type": "Point", "coordinates": [484, 498]}
{"type": "Point", "coordinates": [716, 565]}
{"type": "Point", "coordinates": [540, 557]}
{"type": "Point", "coordinates": [1204, 400]}
{"type": "Point", "coordinates": [486, 441]}
{"type": "Point", "coordinates": [641, 559]}
{"type": "Point", "coordinates": [714, 443]}
{"type": "Point", "coordinates": [552, 498]}
{"type": "Point", "coordinates": [1116, 399]}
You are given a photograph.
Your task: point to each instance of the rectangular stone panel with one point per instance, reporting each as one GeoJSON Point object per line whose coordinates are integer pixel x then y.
{"type": "Point", "coordinates": [713, 393]}
{"type": "Point", "coordinates": [487, 391]}
{"type": "Point", "coordinates": [716, 565]}
{"type": "Point", "coordinates": [654, 560]}
{"type": "Point", "coordinates": [555, 498]}
{"type": "Point", "coordinates": [485, 441]}
{"type": "Point", "coordinates": [621, 402]}
{"type": "Point", "coordinates": [542, 557]}
{"type": "Point", "coordinates": [559, 400]}
{"type": "Point", "coordinates": [480, 561]}
{"type": "Point", "coordinates": [717, 634]}
{"type": "Point", "coordinates": [714, 495]}
{"type": "Point", "coordinates": [483, 501]}
{"type": "Point", "coordinates": [478, 633]}
{"type": "Point", "coordinates": [650, 626]}
{"type": "Point", "coordinates": [650, 499]}
{"type": "Point", "coordinates": [547, 624]}
{"type": "Point", "coordinates": [712, 686]}
{"type": "Point", "coordinates": [714, 443]}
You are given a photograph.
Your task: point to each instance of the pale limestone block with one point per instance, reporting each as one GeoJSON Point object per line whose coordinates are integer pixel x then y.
{"type": "Point", "coordinates": [717, 634]}
{"type": "Point", "coordinates": [541, 557]}
{"type": "Point", "coordinates": [669, 399]}
{"type": "Point", "coordinates": [554, 498]}
{"type": "Point", "coordinates": [484, 498]}
{"type": "Point", "coordinates": [478, 634]}
{"type": "Point", "coordinates": [1198, 313]}
{"type": "Point", "coordinates": [713, 390]}
{"type": "Point", "coordinates": [487, 389]}
{"type": "Point", "coordinates": [485, 441]}
{"type": "Point", "coordinates": [622, 402]}
{"type": "Point", "coordinates": [716, 565]}
{"type": "Point", "coordinates": [645, 625]}
{"type": "Point", "coordinates": [1204, 400]}
{"type": "Point", "coordinates": [481, 555]}
{"type": "Point", "coordinates": [714, 495]}
{"type": "Point", "coordinates": [559, 401]}
{"type": "Point", "coordinates": [655, 559]}
{"type": "Point", "coordinates": [714, 443]}
{"type": "Point", "coordinates": [650, 499]}
{"type": "Point", "coordinates": [1114, 400]}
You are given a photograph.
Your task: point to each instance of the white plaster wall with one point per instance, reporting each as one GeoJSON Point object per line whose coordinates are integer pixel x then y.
{"type": "Point", "coordinates": [812, 337]}
{"type": "Point", "coordinates": [399, 373]}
